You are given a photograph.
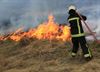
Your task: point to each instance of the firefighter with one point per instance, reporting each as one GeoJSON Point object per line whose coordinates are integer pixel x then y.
{"type": "Point", "coordinates": [77, 33]}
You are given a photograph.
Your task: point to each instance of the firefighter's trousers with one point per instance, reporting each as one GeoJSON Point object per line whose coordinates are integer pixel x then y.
{"type": "Point", "coordinates": [80, 41]}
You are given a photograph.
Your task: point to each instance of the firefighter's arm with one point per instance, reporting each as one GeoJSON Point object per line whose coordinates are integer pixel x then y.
{"type": "Point", "coordinates": [84, 17]}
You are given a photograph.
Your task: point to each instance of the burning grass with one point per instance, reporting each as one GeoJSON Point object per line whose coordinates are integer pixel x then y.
{"type": "Point", "coordinates": [44, 49]}
{"type": "Point", "coordinates": [49, 30]}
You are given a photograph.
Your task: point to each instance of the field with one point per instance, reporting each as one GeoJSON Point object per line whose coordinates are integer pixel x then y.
{"type": "Point", "coordinates": [32, 55]}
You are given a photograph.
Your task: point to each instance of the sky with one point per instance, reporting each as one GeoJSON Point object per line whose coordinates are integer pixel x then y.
{"type": "Point", "coordinates": [30, 13]}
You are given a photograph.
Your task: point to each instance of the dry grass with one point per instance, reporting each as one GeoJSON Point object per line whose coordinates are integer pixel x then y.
{"type": "Point", "coordinates": [44, 56]}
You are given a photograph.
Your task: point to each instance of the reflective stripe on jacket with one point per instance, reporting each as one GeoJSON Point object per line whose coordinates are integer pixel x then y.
{"type": "Point", "coordinates": [76, 26]}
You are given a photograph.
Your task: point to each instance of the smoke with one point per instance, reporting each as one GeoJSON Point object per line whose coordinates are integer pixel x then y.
{"type": "Point", "coordinates": [11, 9]}
{"type": "Point", "coordinates": [23, 13]}
{"type": "Point", "coordinates": [26, 13]}
{"type": "Point", "coordinates": [29, 13]}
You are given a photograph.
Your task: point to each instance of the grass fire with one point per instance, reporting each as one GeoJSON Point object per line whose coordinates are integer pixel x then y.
{"type": "Point", "coordinates": [47, 30]}
{"type": "Point", "coordinates": [49, 35]}
{"type": "Point", "coordinates": [45, 48]}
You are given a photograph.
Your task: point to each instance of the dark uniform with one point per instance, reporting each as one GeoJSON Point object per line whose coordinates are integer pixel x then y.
{"type": "Point", "coordinates": [77, 32]}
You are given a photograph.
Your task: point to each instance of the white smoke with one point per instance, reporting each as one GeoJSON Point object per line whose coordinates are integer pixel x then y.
{"type": "Point", "coordinates": [29, 13]}
{"type": "Point", "coordinates": [25, 13]}
{"type": "Point", "coordinates": [11, 9]}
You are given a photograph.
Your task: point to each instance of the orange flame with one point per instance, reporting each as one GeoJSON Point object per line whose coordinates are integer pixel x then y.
{"type": "Point", "coordinates": [48, 30]}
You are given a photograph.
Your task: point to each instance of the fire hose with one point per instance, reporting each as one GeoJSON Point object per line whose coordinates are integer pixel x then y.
{"type": "Point", "coordinates": [89, 29]}
{"type": "Point", "coordinates": [95, 39]}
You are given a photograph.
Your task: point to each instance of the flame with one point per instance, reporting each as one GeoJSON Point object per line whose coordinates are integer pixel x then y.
{"type": "Point", "coordinates": [65, 33]}
{"type": "Point", "coordinates": [48, 30]}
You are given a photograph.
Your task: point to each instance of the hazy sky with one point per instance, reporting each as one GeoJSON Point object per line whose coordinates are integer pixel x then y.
{"type": "Point", "coordinates": [29, 13]}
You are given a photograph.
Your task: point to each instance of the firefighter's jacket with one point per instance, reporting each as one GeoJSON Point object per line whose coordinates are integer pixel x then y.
{"type": "Point", "coordinates": [75, 24]}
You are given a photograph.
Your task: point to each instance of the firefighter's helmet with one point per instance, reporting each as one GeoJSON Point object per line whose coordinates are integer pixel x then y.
{"type": "Point", "coordinates": [72, 7]}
